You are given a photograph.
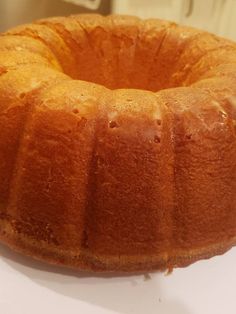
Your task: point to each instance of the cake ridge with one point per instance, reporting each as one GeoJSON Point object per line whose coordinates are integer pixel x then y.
{"type": "Point", "coordinates": [137, 176]}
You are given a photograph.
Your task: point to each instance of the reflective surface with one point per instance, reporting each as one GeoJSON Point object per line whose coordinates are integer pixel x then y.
{"type": "Point", "coordinates": [29, 287]}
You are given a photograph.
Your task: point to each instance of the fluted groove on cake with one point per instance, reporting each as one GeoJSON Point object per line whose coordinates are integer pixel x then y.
{"type": "Point", "coordinates": [37, 31]}
{"type": "Point", "coordinates": [116, 54]}
{"type": "Point", "coordinates": [178, 131]}
{"type": "Point", "coordinates": [86, 33]}
{"type": "Point", "coordinates": [30, 106]}
{"type": "Point", "coordinates": [183, 71]}
{"type": "Point", "coordinates": [80, 24]}
{"type": "Point", "coordinates": [138, 37]}
{"type": "Point", "coordinates": [169, 260]}
{"type": "Point", "coordinates": [91, 189]}
{"type": "Point", "coordinates": [199, 59]}
{"type": "Point", "coordinates": [157, 53]}
{"type": "Point", "coordinates": [211, 161]}
{"type": "Point", "coordinates": [186, 191]}
{"type": "Point", "coordinates": [61, 30]}
{"type": "Point", "coordinates": [168, 175]}
{"type": "Point", "coordinates": [125, 42]}
{"type": "Point", "coordinates": [88, 41]}
{"type": "Point", "coordinates": [34, 35]}
{"type": "Point", "coordinates": [19, 224]}
{"type": "Point", "coordinates": [16, 169]}
{"type": "Point", "coordinates": [59, 35]}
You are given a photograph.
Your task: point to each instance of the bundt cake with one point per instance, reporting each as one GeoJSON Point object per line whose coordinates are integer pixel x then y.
{"type": "Point", "coordinates": [117, 142]}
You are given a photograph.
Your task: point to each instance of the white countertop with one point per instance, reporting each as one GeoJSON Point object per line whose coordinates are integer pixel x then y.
{"type": "Point", "coordinates": [30, 287]}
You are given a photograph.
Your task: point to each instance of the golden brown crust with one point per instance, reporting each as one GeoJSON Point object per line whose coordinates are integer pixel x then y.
{"type": "Point", "coordinates": [15, 85]}
{"type": "Point", "coordinates": [12, 59]}
{"type": "Point", "coordinates": [125, 179]}
{"type": "Point", "coordinates": [204, 185]}
{"type": "Point", "coordinates": [80, 260]}
{"type": "Point", "coordinates": [152, 33]}
{"type": "Point", "coordinates": [196, 48]}
{"type": "Point", "coordinates": [173, 45]}
{"type": "Point", "coordinates": [52, 40]}
{"type": "Point", "coordinates": [26, 44]}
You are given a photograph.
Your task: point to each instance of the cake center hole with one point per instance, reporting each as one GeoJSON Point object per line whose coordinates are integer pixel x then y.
{"type": "Point", "coordinates": [126, 61]}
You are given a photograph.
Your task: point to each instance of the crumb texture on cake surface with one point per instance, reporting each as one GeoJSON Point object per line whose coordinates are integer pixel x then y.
{"type": "Point", "coordinates": [117, 142]}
